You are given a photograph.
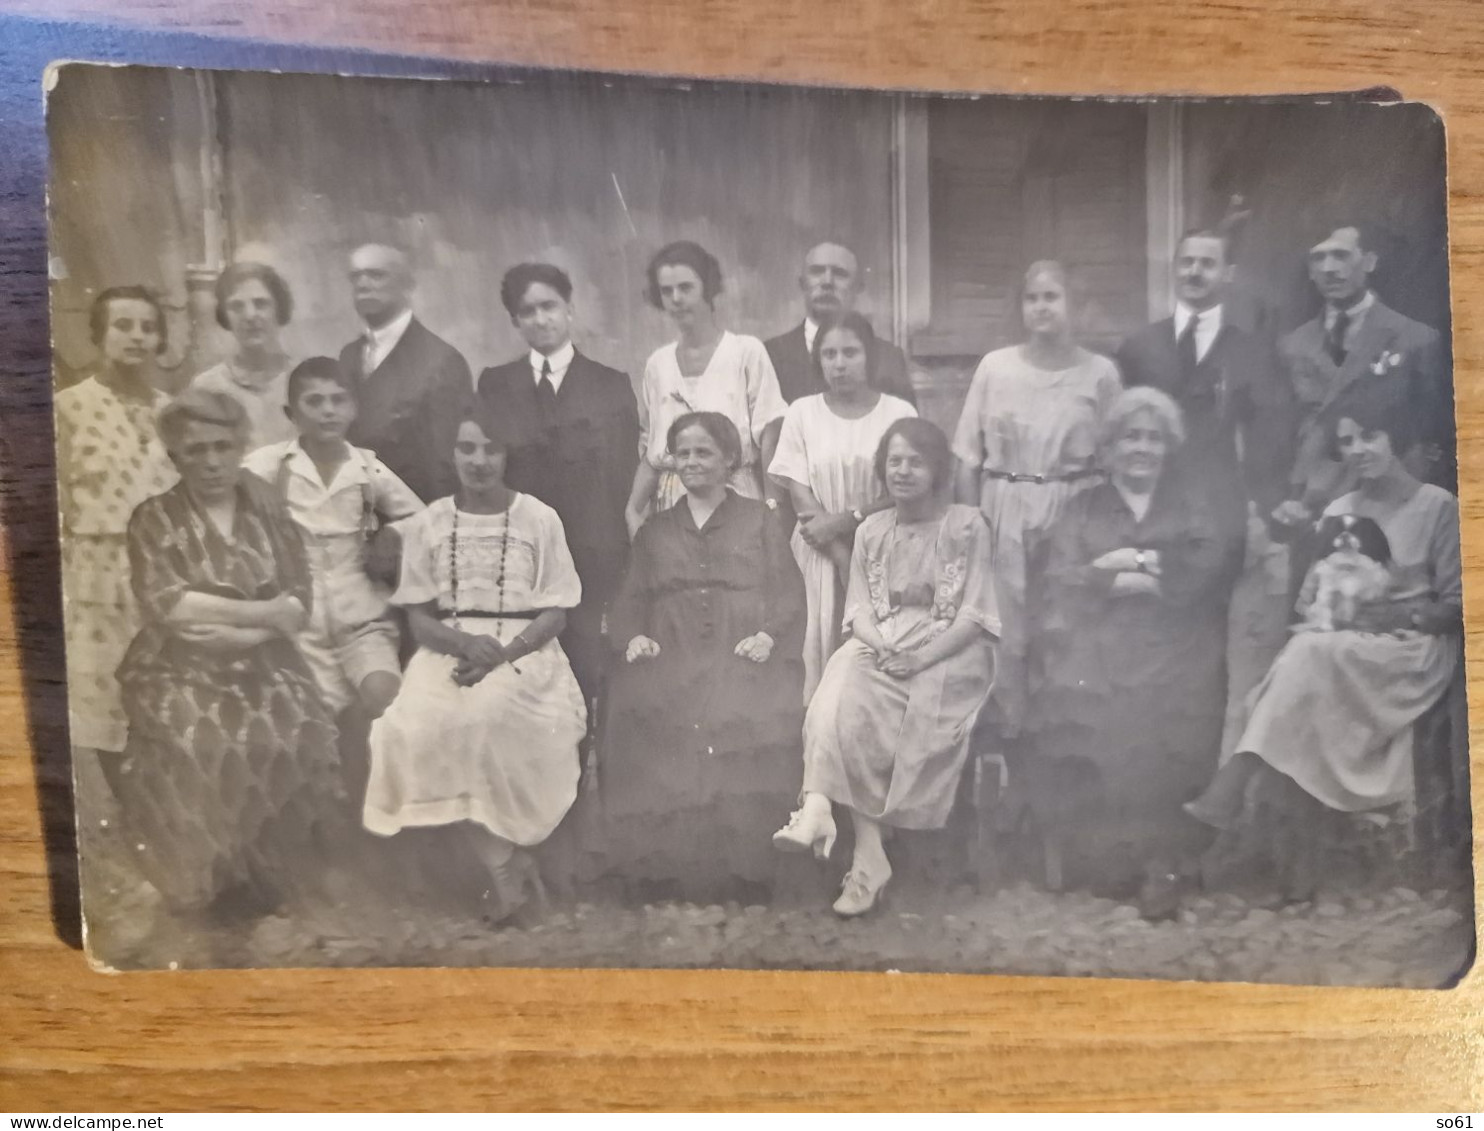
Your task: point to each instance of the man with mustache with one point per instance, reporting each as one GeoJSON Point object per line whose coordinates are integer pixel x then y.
{"type": "Point", "coordinates": [1231, 391]}
{"type": "Point", "coordinates": [1355, 337]}
{"type": "Point", "coordinates": [830, 283]}
{"type": "Point", "coordinates": [1238, 412]}
{"type": "Point", "coordinates": [408, 379]}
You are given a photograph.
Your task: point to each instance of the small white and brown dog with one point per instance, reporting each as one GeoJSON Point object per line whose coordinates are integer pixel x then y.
{"type": "Point", "coordinates": [1355, 569]}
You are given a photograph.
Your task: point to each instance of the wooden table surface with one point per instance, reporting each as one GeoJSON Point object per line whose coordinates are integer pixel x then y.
{"type": "Point", "coordinates": [72, 1040]}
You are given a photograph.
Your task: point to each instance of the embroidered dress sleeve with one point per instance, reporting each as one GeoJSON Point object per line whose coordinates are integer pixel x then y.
{"type": "Point", "coordinates": [556, 585]}
{"type": "Point", "coordinates": [865, 559]}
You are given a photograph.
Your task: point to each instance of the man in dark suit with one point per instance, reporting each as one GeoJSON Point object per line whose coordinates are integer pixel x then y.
{"type": "Point", "coordinates": [830, 282]}
{"type": "Point", "coordinates": [1229, 386]}
{"type": "Point", "coordinates": [408, 379]}
{"type": "Point", "coordinates": [575, 429]}
{"type": "Point", "coordinates": [1357, 336]}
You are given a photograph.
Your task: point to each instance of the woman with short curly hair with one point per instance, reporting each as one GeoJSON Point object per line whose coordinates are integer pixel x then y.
{"type": "Point", "coordinates": [254, 303]}
{"type": "Point", "coordinates": [707, 369]}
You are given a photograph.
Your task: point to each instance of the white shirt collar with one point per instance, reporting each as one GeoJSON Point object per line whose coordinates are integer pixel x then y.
{"type": "Point", "coordinates": [1205, 330]}
{"type": "Point", "coordinates": [1356, 312]}
{"type": "Point", "coordinates": [811, 329]}
{"type": "Point", "coordinates": [560, 360]}
{"type": "Point", "coordinates": [352, 471]}
{"type": "Point", "coordinates": [381, 342]}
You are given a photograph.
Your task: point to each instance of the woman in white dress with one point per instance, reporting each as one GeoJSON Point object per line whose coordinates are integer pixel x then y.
{"type": "Point", "coordinates": [707, 369]}
{"type": "Point", "coordinates": [826, 460]}
{"type": "Point", "coordinates": [484, 732]}
{"type": "Point", "coordinates": [254, 303]}
{"type": "Point", "coordinates": [1025, 444]}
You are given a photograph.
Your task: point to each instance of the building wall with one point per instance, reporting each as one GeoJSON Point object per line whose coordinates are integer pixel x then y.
{"type": "Point", "coordinates": [1298, 168]}
{"type": "Point", "coordinates": [592, 174]}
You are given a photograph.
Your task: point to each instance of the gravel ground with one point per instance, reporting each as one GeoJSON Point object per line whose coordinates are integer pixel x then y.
{"type": "Point", "coordinates": [1393, 937]}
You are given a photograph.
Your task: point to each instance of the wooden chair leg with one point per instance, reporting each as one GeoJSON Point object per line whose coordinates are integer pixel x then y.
{"type": "Point", "coordinates": [1051, 846]}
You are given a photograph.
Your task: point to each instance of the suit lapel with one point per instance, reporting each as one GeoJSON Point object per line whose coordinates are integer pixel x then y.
{"type": "Point", "coordinates": [804, 360]}
{"type": "Point", "coordinates": [405, 345]}
{"type": "Point", "coordinates": [1376, 333]}
{"type": "Point", "coordinates": [1167, 356]}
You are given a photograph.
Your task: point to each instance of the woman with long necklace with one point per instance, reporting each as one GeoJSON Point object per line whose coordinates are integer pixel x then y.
{"type": "Point", "coordinates": [483, 735]}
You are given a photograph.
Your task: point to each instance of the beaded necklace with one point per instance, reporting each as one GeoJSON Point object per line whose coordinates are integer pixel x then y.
{"type": "Point", "coordinates": [453, 563]}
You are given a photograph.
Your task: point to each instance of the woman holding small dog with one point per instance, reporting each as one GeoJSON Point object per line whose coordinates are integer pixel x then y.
{"type": "Point", "coordinates": [1331, 724]}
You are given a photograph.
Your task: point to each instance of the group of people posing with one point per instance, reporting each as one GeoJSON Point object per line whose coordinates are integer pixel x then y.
{"type": "Point", "coordinates": [759, 597]}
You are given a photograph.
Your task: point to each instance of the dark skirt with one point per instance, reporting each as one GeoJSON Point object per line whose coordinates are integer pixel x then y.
{"type": "Point", "coordinates": [1109, 762]}
{"type": "Point", "coordinates": [230, 774]}
{"type": "Point", "coordinates": [699, 763]}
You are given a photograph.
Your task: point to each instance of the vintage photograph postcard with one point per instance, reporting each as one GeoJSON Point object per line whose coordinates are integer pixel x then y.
{"type": "Point", "coordinates": [590, 521]}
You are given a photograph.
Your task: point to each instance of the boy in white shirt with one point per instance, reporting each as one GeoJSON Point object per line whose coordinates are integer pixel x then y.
{"type": "Point", "coordinates": [339, 495]}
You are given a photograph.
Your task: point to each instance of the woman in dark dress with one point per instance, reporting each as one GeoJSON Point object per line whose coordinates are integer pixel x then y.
{"type": "Point", "coordinates": [1129, 690]}
{"type": "Point", "coordinates": [701, 739]}
{"type": "Point", "coordinates": [230, 766]}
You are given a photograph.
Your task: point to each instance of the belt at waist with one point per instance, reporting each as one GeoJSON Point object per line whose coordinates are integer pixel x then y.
{"type": "Point", "coordinates": [474, 614]}
{"type": "Point", "coordinates": [1020, 477]}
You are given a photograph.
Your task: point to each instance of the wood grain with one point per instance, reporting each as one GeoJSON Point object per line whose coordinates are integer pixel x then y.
{"type": "Point", "coordinates": [72, 1040]}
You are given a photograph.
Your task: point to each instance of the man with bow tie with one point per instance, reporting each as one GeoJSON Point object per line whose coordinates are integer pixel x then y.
{"type": "Point", "coordinates": [1357, 336]}
{"type": "Point", "coordinates": [408, 378]}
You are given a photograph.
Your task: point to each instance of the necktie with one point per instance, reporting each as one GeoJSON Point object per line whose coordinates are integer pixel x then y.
{"type": "Point", "coordinates": [1185, 347]}
{"type": "Point", "coordinates": [1335, 340]}
{"type": "Point", "coordinates": [546, 394]}
{"type": "Point", "coordinates": [368, 357]}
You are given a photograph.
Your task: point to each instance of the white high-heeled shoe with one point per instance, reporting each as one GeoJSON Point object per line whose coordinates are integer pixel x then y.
{"type": "Point", "coordinates": [861, 893]}
{"type": "Point", "coordinates": [805, 831]}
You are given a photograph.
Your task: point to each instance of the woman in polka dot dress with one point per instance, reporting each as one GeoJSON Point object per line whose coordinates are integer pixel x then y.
{"type": "Point", "coordinates": [109, 460]}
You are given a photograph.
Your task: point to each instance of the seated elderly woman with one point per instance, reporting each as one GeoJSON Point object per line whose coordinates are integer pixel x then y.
{"type": "Point", "coordinates": [887, 731]}
{"type": "Point", "coordinates": [1329, 730]}
{"type": "Point", "coordinates": [230, 767]}
{"type": "Point", "coordinates": [1128, 697]}
{"type": "Point", "coordinates": [701, 731]}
